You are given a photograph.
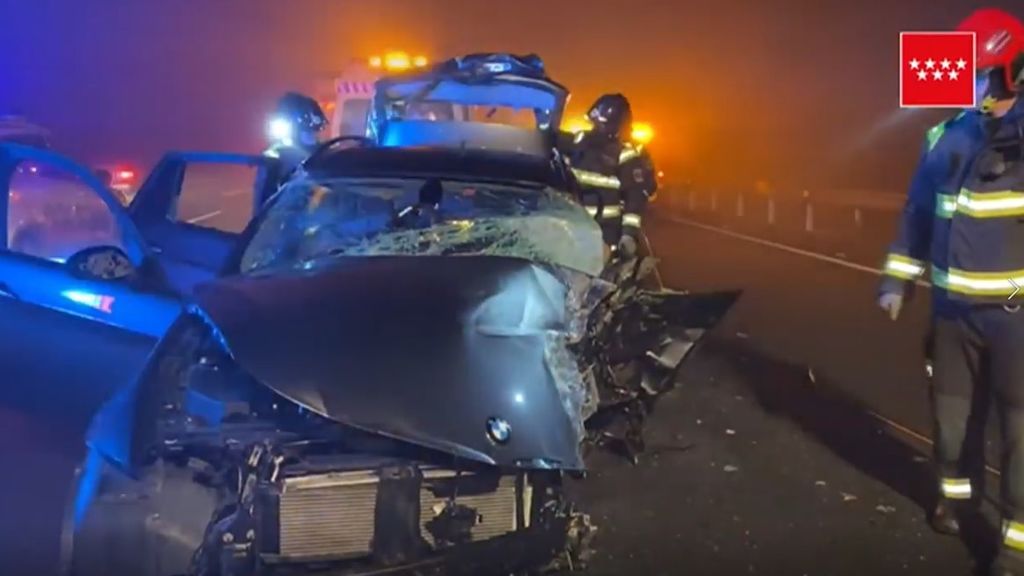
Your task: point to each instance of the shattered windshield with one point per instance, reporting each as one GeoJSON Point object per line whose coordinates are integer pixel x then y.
{"type": "Point", "coordinates": [314, 223]}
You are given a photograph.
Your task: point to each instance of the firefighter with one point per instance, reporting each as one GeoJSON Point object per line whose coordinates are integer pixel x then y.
{"type": "Point", "coordinates": [616, 175]}
{"type": "Point", "coordinates": [295, 130]}
{"type": "Point", "coordinates": [963, 218]}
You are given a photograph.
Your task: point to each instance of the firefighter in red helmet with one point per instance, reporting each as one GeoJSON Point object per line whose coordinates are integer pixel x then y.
{"type": "Point", "coordinates": [963, 220]}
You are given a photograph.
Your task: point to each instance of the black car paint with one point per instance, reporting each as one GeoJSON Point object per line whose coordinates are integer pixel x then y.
{"type": "Point", "coordinates": [399, 346]}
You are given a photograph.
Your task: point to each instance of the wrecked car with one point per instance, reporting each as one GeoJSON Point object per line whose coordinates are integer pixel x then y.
{"type": "Point", "coordinates": [391, 368]}
{"type": "Point", "coordinates": [499, 102]}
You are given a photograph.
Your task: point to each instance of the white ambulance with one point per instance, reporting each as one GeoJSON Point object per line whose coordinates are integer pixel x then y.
{"type": "Point", "coordinates": [354, 90]}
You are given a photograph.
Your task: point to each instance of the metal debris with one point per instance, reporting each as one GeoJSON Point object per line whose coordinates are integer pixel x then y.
{"type": "Point", "coordinates": [820, 483]}
{"type": "Point", "coordinates": [847, 497]}
{"type": "Point", "coordinates": [742, 335]}
{"type": "Point", "coordinates": [920, 459]}
{"type": "Point", "coordinates": [885, 509]}
{"type": "Point", "coordinates": [730, 468]}
{"type": "Point", "coordinates": [730, 431]}
{"type": "Point", "coordinates": [810, 375]}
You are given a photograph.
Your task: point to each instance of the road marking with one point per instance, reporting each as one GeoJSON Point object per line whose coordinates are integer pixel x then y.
{"type": "Point", "coordinates": [916, 435]}
{"type": "Point", "coordinates": [199, 219]}
{"type": "Point", "coordinates": [786, 248]}
{"type": "Point", "coordinates": [1016, 288]}
{"type": "Point", "coordinates": [800, 252]}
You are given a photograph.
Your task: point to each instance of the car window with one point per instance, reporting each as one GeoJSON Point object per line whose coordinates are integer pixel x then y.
{"type": "Point", "coordinates": [217, 196]}
{"type": "Point", "coordinates": [53, 214]}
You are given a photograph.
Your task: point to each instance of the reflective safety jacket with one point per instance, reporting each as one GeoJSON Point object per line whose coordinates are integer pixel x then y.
{"type": "Point", "coordinates": [964, 214]}
{"type": "Point", "coordinates": [291, 157]}
{"type": "Point", "coordinates": [620, 176]}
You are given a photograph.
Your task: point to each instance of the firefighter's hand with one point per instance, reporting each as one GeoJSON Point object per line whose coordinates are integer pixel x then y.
{"type": "Point", "coordinates": [891, 303]}
{"type": "Point", "coordinates": [627, 246]}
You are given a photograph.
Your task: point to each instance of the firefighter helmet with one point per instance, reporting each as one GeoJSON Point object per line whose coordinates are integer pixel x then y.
{"type": "Point", "coordinates": [612, 115]}
{"type": "Point", "coordinates": [302, 111]}
{"type": "Point", "coordinates": [1000, 51]}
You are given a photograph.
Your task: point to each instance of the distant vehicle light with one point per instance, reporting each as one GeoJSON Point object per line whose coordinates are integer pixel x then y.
{"type": "Point", "coordinates": [397, 61]}
{"type": "Point", "coordinates": [124, 175]}
{"type": "Point", "coordinates": [643, 133]}
{"type": "Point", "coordinates": [661, 174]}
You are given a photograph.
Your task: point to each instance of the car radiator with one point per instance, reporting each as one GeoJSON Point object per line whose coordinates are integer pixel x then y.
{"type": "Point", "coordinates": [332, 515]}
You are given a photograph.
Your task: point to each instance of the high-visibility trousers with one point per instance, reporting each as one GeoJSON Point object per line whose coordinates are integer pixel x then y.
{"type": "Point", "coordinates": [978, 362]}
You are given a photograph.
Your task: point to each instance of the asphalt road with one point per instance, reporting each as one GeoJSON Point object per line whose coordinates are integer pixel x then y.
{"type": "Point", "coordinates": [795, 444]}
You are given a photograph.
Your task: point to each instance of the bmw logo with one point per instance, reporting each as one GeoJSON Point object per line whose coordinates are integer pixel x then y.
{"type": "Point", "coordinates": [498, 430]}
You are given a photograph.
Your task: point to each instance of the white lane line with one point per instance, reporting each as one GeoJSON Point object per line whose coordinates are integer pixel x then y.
{"type": "Point", "coordinates": [199, 219]}
{"type": "Point", "coordinates": [891, 423]}
{"type": "Point", "coordinates": [917, 435]}
{"type": "Point", "coordinates": [785, 248]}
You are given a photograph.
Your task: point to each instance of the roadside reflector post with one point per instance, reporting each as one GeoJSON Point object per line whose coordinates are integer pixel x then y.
{"type": "Point", "coordinates": [739, 205]}
{"type": "Point", "coordinates": [771, 211]}
{"type": "Point", "coordinates": [808, 212]}
{"type": "Point", "coordinates": [714, 201]}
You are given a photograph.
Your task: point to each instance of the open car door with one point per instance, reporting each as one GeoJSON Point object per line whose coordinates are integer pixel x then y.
{"type": "Point", "coordinates": [193, 207]}
{"type": "Point", "coordinates": [80, 312]}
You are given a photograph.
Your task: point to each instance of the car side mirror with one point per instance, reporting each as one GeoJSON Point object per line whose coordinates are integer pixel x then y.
{"type": "Point", "coordinates": [101, 263]}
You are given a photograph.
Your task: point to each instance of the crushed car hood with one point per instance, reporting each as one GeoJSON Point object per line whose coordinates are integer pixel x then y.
{"type": "Point", "coordinates": [435, 351]}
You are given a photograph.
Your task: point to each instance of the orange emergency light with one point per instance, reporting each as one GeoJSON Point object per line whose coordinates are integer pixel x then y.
{"type": "Point", "coordinates": [397, 61]}
{"type": "Point", "coordinates": [642, 133]}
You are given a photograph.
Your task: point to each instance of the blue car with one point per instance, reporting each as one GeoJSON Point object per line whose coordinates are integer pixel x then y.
{"type": "Point", "coordinates": [87, 289]}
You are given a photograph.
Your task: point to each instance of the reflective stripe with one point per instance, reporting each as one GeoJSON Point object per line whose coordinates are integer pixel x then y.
{"type": "Point", "coordinates": [903, 267]}
{"type": "Point", "coordinates": [596, 179]}
{"type": "Point", "coordinates": [632, 220]}
{"type": "Point", "coordinates": [1013, 534]}
{"type": "Point", "coordinates": [945, 205]}
{"type": "Point", "coordinates": [935, 132]}
{"type": "Point", "coordinates": [990, 204]}
{"type": "Point", "coordinates": [956, 488]}
{"type": "Point", "coordinates": [628, 153]}
{"type": "Point", "coordinates": [610, 211]}
{"type": "Point", "coordinates": [978, 283]}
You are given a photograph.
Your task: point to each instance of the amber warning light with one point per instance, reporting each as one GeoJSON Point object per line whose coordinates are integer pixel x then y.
{"type": "Point", "coordinates": [397, 61]}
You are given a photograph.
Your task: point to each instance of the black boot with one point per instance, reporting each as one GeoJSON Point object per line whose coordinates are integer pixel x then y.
{"type": "Point", "coordinates": [944, 518]}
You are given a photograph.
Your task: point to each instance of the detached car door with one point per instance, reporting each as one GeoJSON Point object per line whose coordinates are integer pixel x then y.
{"type": "Point", "coordinates": [193, 207]}
{"type": "Point", "coordinates": [68, 339]}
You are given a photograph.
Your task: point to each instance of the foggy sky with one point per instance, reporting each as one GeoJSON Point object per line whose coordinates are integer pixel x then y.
{"type": "Point", "coordinates": [804, 93]}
